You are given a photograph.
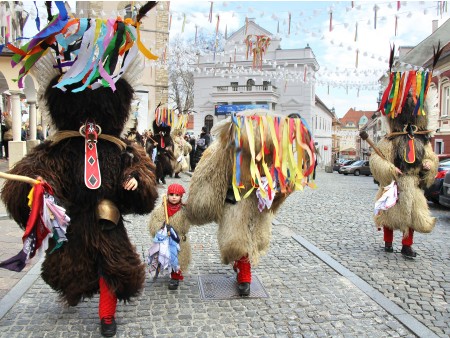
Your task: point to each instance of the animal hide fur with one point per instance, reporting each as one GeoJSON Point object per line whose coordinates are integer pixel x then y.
{"type": "Point", "coordinates": [91, 250]}
{"type": "Point", "coordinates": [243, 229]}
{"type": "Point", "coordinates": [411, 210]}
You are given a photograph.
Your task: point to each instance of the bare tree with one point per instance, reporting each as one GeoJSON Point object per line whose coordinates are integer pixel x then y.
{"type": "Point", "coordinates": [182, 62]}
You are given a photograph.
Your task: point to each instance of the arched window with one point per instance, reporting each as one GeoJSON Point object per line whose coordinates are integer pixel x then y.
{"type": "Point", "coordinates": [250, 83]}
{"type": "Point", "coordinates": [209, 122]}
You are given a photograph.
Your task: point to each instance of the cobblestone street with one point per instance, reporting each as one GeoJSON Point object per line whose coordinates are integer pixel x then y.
{"type": "Point", "coordinates": [325, 275]}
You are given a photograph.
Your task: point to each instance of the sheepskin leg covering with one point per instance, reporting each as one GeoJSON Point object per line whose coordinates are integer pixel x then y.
{"type": "Point", "coordinates": [244, 233]}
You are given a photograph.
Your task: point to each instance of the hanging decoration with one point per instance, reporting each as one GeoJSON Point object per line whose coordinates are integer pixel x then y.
{"type": "Point", "coordinates": [257, 46]}
{"type": "Point", "coordinates": [331, 20]}
{"type": "Point", "coordinates": [170, 21]}
{"type": "Point", "coordinates": [210, 12]}
{"type": "Point", "coordinates": [375, 10]}
{"type": "Point", "coordinates": [226, 36]}
{"type": "Point", "coordinates": [357, 54]}
{"type": "Point", "coordinates": [184, 23]}
{"type": "Point", "coordinates": [289, 24]}
{"type": "Point", "coordinates": [356, 32]}
{"type": "Point", "coordinates": [396, 25]}
{"type": "Point", "coordinates": [196, 33]}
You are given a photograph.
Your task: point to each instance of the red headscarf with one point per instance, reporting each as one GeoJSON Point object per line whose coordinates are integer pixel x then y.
{"type": "Point", "coordinates": [174, 189]}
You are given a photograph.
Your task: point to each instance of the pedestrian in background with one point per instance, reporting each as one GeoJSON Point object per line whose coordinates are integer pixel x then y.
{"type": "Point", "coordinates": [202, 143]}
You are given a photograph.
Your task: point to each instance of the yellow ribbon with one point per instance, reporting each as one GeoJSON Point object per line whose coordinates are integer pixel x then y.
{"type": "Point", "coordinates": [141, 46]}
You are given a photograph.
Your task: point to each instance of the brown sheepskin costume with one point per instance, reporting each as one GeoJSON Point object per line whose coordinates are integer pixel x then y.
{"type": "Point", "coordinates": [411, 209]}
{"type": "Point", "coordinates": [243, 229]}
{"type": "Point", "coordinates": [164, 154]}
{"type": "Point", "coordinates": [93, 248]}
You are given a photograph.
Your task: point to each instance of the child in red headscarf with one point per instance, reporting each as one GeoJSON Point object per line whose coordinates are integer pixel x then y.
{"type": "Point", "coordinates": [180, 223]}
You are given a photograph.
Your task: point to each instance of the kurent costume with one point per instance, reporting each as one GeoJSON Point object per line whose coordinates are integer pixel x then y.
{"type": "Point", "coordinates": [164, 154]}
{"type": "Point", "coordinates": [177, 219]}
{"type": "Point", "coordinates": [407, 163]}
{"type": "Point", "coordinates": [255, 162]}
{"type": "Point", "coordinates": [181, 151]}
{"type": "Point", "coordinates": [85, 161]}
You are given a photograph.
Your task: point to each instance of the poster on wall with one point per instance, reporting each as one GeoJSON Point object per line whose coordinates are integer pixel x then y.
{"type": "Point", "coordinates": [139, 110]}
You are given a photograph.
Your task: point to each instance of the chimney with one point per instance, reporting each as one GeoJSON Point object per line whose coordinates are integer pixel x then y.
{"type": "Point", "coordinates": [434, 26]}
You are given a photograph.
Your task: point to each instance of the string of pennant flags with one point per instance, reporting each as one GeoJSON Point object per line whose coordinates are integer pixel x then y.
{"type": "Point", "coordinates": [295, 23]}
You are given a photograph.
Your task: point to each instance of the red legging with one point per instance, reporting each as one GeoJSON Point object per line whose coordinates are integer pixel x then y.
{"type": "Point", "coordinates": [389, 236]}
{"type": "Point", "coordinates": [108, 301]}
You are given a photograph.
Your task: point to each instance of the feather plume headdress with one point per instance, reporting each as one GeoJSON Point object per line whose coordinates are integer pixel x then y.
{"type": "Point", "coordinates": [413, 84]}
{"type": "Point", "coordinates": [90, 53]}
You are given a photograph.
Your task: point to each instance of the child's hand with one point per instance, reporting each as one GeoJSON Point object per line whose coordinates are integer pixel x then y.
{"type": "Point", "coordinates": [426, 165]}
{"type": "Point", "coordinates": [130, 184]}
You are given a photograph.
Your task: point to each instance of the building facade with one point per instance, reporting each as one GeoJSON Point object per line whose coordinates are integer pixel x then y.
{"type": "Point", "coordinates": [247, 75]}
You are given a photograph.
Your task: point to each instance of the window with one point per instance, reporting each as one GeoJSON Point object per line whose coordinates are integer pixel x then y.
{"type": "Point", "coordinates": [250, 83]}
{"type": "Point", "coordinates": [209, 122]}
{"type": "Point", "coordinates": [234, 86]}
{"type": "Point", "coordinates": [266, 85]}
{"type": "Point", "coordinates": [445, 108]}
{"type": "Point", "coordinates": [438, 146]}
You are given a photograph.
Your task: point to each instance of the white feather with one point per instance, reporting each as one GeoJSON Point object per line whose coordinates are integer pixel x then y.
{"type": "Point", "coordinates": [432, 109]}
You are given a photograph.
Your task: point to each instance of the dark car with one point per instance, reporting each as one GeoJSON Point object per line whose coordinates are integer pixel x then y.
{"type": "Point", "coordinates": [357, 168]}
{"type": "Point", "coordinates": [339, 165]}
{"type": "Point", "coordinates": [432, 192]}
{"type": "Point", "coordinates": [444, 196]}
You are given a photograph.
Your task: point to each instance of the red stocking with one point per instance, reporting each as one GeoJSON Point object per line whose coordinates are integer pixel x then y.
{"type": "Point", "coordinates": [108, 301]}
{"type": "Point", "coordinates": [388, 235]}
{"type": "Point", "coordinates": [244, 270]}
{"type": "Point", "coordinates": [177, 275]}
{"type": "Point", "coordinates": [408, 239]}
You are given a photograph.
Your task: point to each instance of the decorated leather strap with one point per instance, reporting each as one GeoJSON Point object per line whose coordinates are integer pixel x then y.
{"type": "Point", "coordinates": [92, 177]}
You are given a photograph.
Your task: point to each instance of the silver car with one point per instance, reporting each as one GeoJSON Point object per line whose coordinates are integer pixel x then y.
{"type": "Point", "coordinates": [356, 168]}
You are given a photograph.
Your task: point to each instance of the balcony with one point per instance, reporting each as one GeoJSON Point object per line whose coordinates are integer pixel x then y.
{"type": "Point", "coordinates": [249, 93]}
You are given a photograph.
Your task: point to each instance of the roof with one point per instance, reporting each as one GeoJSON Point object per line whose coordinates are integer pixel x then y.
{"type": "Point", "coordinates": [445, 53]}
{"type": "Point", "coordinates": [320, 103]}
{"type": "Point", "coordinates": [354, 116]}
{"type": "Point", "coordinates": [424, 50]}
{"type": "Point", "coordinates": [251, 22]}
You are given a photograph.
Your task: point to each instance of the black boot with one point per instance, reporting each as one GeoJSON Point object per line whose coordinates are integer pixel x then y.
{"type": "Point", "coordinates": [244, 289]}
{"type": "Point", "coordinates": [388, 247]}
{"type": "Point", "coordinates": [173, 284]}
{"type": "Point", "coordinates": [177, 176]}
{"type": "Point", "coordinates": [108, 326]}
{"type": "Point", "coordinates": [408, 252]}
{"type": "Point", "coordinates": [163, 180]}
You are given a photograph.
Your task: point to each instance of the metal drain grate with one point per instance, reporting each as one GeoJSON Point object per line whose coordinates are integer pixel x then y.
{"type": "Point", "coordinates": [225, 287]}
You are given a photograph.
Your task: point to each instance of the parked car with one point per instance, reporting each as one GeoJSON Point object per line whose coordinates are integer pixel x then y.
{"type": "Point", "coordinates": [339, 165]}
{"type": "Point", "coordinates": [444, 196]}
{"type": "Point", "coordinates": [357, 168]}
{"type": "Point", "coordinates": [432, 192]}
